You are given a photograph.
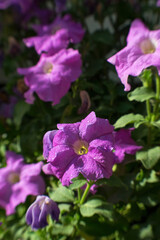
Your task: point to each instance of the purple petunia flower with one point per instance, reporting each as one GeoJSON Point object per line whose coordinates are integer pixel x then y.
{"type": "Point", "coordinates": [52, 76]}
{"type": "Point", "coordinates": [123, 143]}
{"type": "Point", "coordinates": [18, 180]}
{"type": "Point", "coordinates": [56, 36]}
{"type": "Point", "coordinates": [142, 51]}
{"type": "Point", "coordinates": [90, 147]}
{"type": "Point", "coordinates": [158, 3]}
{"type": "Point", "coordinates": [37, 213]}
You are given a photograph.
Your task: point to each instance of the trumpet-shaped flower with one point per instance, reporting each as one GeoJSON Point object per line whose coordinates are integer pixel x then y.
{"type": "Point", "coordinates": [18, 180]}
{"type": "Point", "coordinates": [90, 147]}
{"type": "Point", "coordinates": [142, 51]}
{"type": "Point", "coordinates": [56, 36]}
{"type": "Point", "coordinates": [37, 213]}
{"type": "Point", "coordinates": [52, 76]}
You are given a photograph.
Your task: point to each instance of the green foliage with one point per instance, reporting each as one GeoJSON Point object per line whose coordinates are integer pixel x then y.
{"type": "Point", "coordinates": [20, 110]}
{"type": "Point", "coordinates": [62, 194]}
{"type": "Point", "coordinates": [127, 119]}
{"type": "Point", "coordinates": [149, 157]}
{"type": "Point", "coordinates": [141, 94]}
{"type": "Point", "coordinates": [127, 205]}
{"type": "Point", "coordinates": [97, 206]}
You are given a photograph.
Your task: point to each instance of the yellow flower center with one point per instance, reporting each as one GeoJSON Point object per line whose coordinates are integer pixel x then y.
{"type": "Point", "coordinates": [147, 46]}
{"type": "Point", "coordinates": [80, 147]}
{"type": "Point", "coordinates": [47, 68]}
{"type": "Point", "coordinates": [13, 178]}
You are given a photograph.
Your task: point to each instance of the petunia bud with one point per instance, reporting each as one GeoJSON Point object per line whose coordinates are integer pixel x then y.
{"type": "Point", "coordinates": [37, 213]}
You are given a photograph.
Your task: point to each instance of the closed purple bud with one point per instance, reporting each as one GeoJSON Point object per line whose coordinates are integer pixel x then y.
{"type": "Point", "coordinates": [37, 213]}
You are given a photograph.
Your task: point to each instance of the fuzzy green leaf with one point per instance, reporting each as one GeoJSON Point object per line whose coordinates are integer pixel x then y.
{"type": "Point", "coordinates": [141, 94]}
{"type": "Point", "coordinates": [128, 118]}
{"type": "Point", "coordinates": [97, 206]}
{"type": "Point", "coordinates": [62, 194]}
{"type": "Point", "coordinates": [149, 158]}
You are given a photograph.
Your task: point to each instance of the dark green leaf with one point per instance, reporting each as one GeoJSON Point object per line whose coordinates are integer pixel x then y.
{"type": "Point", "coordinates": [20, 110]}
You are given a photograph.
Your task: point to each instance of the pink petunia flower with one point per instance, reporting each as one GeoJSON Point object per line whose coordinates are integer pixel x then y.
{"type": "Point", "coordinates": [90, 147]}
{"type": "Point", "coordinates": [18, 180]}
{"type": "Point", "coordinates": [142, 51]}
{"type": "Point", "coordinates": [158, 3]}
{"type": "Point", "coordinates": [56, 36]}
{"type": "Point", "coordinates": [52, 76]}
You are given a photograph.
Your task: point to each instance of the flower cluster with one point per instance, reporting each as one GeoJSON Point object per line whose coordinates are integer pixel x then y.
{"type": "Point", "coordinates": [90, 147]}
{"type": "Point", "coordinates": [142, 51]}
{"type": "Point", "coordinates": [18, 180]}
{"type": "Point", "coordinates": [58, 67]}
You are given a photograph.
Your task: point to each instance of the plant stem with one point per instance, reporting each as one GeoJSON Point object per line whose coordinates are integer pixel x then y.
{"type": "Point", "coordinates": [79, 194]}
{"type": "Point", "coordinates": [148, 108]}
{"type": "Point", "coordinates": [155, 110]}
{"type": "Point", "coordinates": [89, 184]}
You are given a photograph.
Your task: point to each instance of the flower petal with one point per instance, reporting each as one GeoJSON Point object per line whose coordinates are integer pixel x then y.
{"type": "Point", "coordinates": [91, 127]}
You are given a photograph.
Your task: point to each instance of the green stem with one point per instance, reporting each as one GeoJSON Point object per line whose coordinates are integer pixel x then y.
{"type": "Point", "coordinates": [148, 108]}
{"type": "Point", "coordinates": [79, 194]}
{"type": "Point", "coordinates": [155, 110]}
{"type": "Point", "coordinates": [89, 184]}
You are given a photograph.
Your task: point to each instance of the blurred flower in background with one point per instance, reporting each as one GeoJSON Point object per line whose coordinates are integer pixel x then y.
{"type": "Point", "coordinates": [18, 180]}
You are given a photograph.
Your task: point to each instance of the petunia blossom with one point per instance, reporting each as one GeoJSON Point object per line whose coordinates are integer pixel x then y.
{"type": "Point", "coordinates": [87, 147]}
{"type": "Point", "coordinates": [123, 143]}
{"type": "Point", "coordinates": [142, 51]}
{"type": "Point", "coordinates": [158, 3]}
{"type": "Point", "coordinates": [56, 36]}
{"type": "Point", "coordinates": [37, 213]}
{"type": "Point", "coordinates": [52, 76]}
{"type": "Point", "coordinates": [18, 180]}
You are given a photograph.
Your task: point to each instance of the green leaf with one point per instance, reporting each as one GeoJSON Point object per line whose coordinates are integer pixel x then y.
{"type": "Point", "coordinates": [149, 158]}
{"type": "Point", "coordinates": [78, 182]}
{"type": "Point", "coordinates": [20, 110]}
{"type": "Point", "coordinates": [64, 207]}
{"type": "Point", "coordinates": [62, 230]}
{"type": "Point", "coordinates": [62, 194]}
{"type": "Point", "coordinates": [97, 206]}
{"type": "Point", "coordinates": [128, 118]}
{"type": "Point", "coordinates": [141, 94]}
{"type": "Point", "coordinates": [113, 181]}
{"type": "Point", "coordinates": [102, 36]}
{"type": "Point", "coordinates": [156, 124]}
